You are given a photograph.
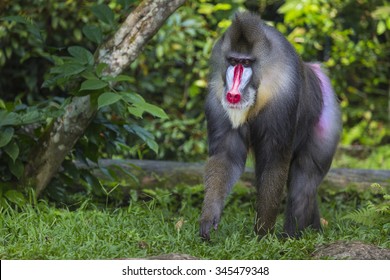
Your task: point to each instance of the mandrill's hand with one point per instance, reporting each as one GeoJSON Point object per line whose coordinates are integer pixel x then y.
{"type": "Point", "coordinates": [210, 218]}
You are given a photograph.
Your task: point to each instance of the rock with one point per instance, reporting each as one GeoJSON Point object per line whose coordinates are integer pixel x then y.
{"type": "Point", "coordinates": [351, 250]}
{"type": "Point", "coordinates": [170, 256]}
{"type": "Point", "coordinates": [173, 256]}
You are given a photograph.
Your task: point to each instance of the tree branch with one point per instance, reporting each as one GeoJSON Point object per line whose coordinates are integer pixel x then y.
{"type": "Point", "coordinates": [118, 53]}
{"type": "Point", "coordinates": [125, 46]}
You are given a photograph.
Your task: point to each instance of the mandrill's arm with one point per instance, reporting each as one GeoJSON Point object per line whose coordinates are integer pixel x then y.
{"type": "Point", "coordinates": [228, 150]}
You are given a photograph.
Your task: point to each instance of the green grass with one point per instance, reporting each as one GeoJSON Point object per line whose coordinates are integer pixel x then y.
{"type": "Point", "coordinates": [150, 227]}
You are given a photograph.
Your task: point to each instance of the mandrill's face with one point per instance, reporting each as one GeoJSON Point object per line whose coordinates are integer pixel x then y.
{"type": "Point", "coordinates": [239, 94]}
{"type": "Point", "coordinates": [240, 85]}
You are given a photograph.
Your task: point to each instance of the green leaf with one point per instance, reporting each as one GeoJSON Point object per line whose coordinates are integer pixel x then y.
{"type": "Point", "coordinates": [18, 19]}
{"type": "Point", "coordinates": [15, 197]}
{"type": "Point", "coordinates": [68, 69]}
{"type": "Point", "coordinates": [132, 97]}
{"type": "Point", "coordinates": [12, 149]}
{"type": "Point", "coordinates": [138, 112]}
{"type": "Point", "coordinates": [93, 85]}
{"type": "Point", "coordinates": [16, 168]}
{"type": "Point", "coordinates": [160, 51]}
{"type": "Point", "coordinates": [125, 171]}
{"type": "Point", "coordinates": [139, 131]}
{"type": "Point", "coordinates": [152, 109]}
{"type": "Point", "coordinates": [35, 31]}
{"type": "Point", "coordinates": [381, 27]}
{"type": "Point", "coordinates": [31, 27]}
{"type": "Point", "coordinates": [104, 13]}
{"type": "Point", "coordinates": [100, 68]}
{"type": "Point", "coordinates": [93, 33]}
{"type": "Point", "coordinates": [223, 7]}
{"type": "Point", "coordinates": [119, 78]}
{"type": "Point", "coordinates": [206, 9]}
{"type": "Point", "coordinates": [139, 103]}
{"type": "Point", "coordinates": [6, 135]}
{"type": "Point", "coordinates": [82, 54]}
{"type": "Point", "coordinates": [31, 117]}
{"type": "Point", "coordinates": [108, 98]}
{"type": "Point", "coordinates": [146, 136]}
{"type": "Point", "coordinates": [89, 75]}
{"type": "Point", "coordinates": [10, 118]}
{"type": "Point", "coordinates": [51, 81]}
{"type": "Point", "coordinates": [153, 145]}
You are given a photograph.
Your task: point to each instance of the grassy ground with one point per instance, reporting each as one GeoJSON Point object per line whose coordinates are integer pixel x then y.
{"type": "Point", "coordinates": [165, 221]}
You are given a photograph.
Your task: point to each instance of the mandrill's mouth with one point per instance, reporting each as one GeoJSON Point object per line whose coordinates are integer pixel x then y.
{"type": "Point", "coordinates": [235, 106]}
{"type": "Point", "coordinates": [244, 104]}
{"type": "Point", "coordinates": [238, 112]}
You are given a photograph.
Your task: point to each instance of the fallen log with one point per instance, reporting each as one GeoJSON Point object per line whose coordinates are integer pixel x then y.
{"type": "Point", "coordinates": [169, 173]}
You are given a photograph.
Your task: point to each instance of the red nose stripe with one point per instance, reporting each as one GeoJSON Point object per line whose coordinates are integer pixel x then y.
{"type": "Point", "coordinates": [234, 95]}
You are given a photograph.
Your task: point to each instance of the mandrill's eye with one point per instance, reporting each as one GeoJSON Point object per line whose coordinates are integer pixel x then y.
{"type": "Point", "coordinates": [246, 62]}
{"type": "Point", "coordinates": [233, 61]}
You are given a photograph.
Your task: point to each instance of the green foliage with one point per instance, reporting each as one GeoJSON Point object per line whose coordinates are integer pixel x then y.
{"type": "Point", "coordinates": [19, 125]}
{"type": "Point", "coordinates": [74, 73]}
{"type": "Point", "coordinates": [353, 40]}
{"type": "Point", "coordinates": [374, 214]}
{"type": "Point", "coordinates": [374, 158]}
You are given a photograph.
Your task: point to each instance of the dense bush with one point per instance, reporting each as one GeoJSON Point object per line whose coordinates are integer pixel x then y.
{"type": "Point", "coordinates": [352, 38]}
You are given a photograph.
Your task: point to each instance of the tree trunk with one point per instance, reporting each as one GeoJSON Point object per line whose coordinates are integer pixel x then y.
{"type": "Point", "coordinates": [118, 53]}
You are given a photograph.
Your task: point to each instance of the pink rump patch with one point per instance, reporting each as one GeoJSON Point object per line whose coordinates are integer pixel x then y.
{"type": "Point", "coordinates": [324, 123]}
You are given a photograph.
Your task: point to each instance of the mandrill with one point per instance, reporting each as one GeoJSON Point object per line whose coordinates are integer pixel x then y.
{"type": "Point", "coordinates": [263, 98]}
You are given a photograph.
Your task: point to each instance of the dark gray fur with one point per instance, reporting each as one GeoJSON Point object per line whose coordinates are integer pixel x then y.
{"type": "Point", "coordinates": [281, 134]}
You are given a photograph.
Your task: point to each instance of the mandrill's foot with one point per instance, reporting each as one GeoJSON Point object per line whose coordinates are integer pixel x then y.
{"type": "Point", "coordinates": [211, 215]}
{"type": "Point", "coordinates": [205, 227]}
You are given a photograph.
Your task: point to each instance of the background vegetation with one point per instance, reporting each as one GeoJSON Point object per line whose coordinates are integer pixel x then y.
{"type": "Point", "coordinates": [351, 38]}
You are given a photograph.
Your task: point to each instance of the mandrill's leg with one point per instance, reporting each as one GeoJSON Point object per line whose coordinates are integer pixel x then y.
{"type": "Point", "coordinates": [271, 177]}
{"type": "Point", "coordinates": [307, 171]}
{"type": "Point", "coordinates": [220, 175]}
